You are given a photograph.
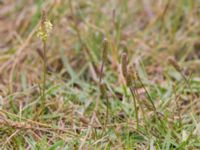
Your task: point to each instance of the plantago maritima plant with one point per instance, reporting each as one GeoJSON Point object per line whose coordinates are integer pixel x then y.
{"type": "Point", "coordinates": [129, 81]}
{"type": "Point", "coordinates": [102, 86]}
{"type": "Point", "coordinates": [178, 68]}
{"type": "Point", "coordinates": [43, 32]}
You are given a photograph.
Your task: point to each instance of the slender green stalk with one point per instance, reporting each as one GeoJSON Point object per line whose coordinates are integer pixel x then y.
{"type": "Point", "coordinates": [102, 86]}
{"type": "Point", "coordinates": [44, 74]}
{"type": "Point", "coordinates": [149, 96]}
{"type": "Point", "coordinates": [178, 68]}
{"type": "Point", "coordinates": [135, 106]}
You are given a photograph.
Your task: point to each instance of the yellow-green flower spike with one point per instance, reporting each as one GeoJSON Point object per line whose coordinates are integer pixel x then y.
{"type": "Point", "coordinates": [44, 29]}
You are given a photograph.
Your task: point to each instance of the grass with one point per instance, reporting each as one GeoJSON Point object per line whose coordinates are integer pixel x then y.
{"type": "Point", "coordinates": [89, 100]}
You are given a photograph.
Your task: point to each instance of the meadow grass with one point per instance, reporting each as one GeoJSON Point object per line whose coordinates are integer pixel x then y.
{"type": "Point", "coordinates": [112, 74]}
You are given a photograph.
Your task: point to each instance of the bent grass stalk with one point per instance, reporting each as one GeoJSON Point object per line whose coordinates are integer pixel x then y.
{"type": "Point", "coordinates": [178, 68]}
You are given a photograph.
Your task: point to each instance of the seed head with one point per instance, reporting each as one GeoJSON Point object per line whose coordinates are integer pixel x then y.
{"type": "Point", "coordinates": [103, 89]}
{"type": "Point", "coordinates": [124, 65]}
{"type": "Point", "coordinates": [45, 27]}
{"type": "Point", "coordinates": [129, 80]}
{"type": "Point", "coordinates": [174, 63]}
{"type": "Point", "coordinates": [133, 73]}
{"type": "Point", "coordinates": [105, 46]}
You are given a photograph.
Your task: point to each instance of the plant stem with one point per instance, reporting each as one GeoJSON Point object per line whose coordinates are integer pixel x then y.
{"type": "Point", "coordinates": [44, 74]}
{"type": "Point", "coordinates": [135, 106]}
{"type": "Point", "coordinates": [190, 88]}
{"type": "Point", "coordinates": [148, 95]}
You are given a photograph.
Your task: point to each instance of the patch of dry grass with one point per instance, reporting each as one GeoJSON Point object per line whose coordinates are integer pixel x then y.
{"type": "Point", "coordinates": [83, 111]}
